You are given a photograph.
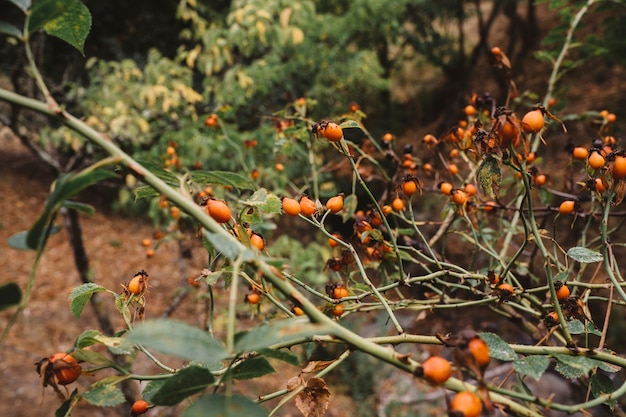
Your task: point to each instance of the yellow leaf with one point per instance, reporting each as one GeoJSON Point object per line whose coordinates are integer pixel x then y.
{"type": "Point", "coordinates": [284, 17]}
{"type": "Point", "coordinates": [192, 56]}
{"type": "Point", "coordinates": [260, 27]}
{"type": "Point", "coordinates": [297, 36]}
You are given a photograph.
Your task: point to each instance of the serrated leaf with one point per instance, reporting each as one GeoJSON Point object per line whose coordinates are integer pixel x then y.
{"type": "Point", "coordinates": [267, 335]}
{"type": "Point", "coordinates": [104, 393]}
{"type": "Point", "coordinates": [178, 339]}
{"type": "Point", "coordinates": [44, 11]}
{"type": "Point", "coordinates": [22, 4]}
{"type": "Point", "coordinates": [9, 29]}
{"type": "Point", "coordinates": [490, 175]}
{"type": "Point", "coordinates": [10, 295]}
{"type": "Point", "coordinates": [87, 209]}
{"type": "Point", "coordinates": [151, 388]}
{"type": "Point", "coordinates": [183, 384]}
{"type": "Point", "coordinates": [225, 178]}
{"type": "Point", "coordinates": [313, 400]}
{"type": "Point", "coordinates": [575, 327]}
{"type": "Point", "coordinates": [602, 385]}
{"type": "Point", "coordinates": [265, 201]}
{"type": "Point", "coordinates": [221, 405]}
{"type": "Point", "coordinates": [145, 191]}
{"type": "Point", "coordinates": [80, 296]}
{"type": "Point", "coordinates": [167, 177]}
{"type": "Point", "coordinates": [584, 255]}
{"type": "Point", "coordinates": [573, 367]}
{"type": "Point", "coordinates": [72, 26]}
{"type": "Point", "coordinates": [349, 207]}
{"type": "Point", "coordinates": [533, 366]}
{"type": "Point", "coordinates": [498, 348]}
{"type": "Point", "coordinates": [250, 369]}
{"type": "Point", "coordinates": [282, 355]}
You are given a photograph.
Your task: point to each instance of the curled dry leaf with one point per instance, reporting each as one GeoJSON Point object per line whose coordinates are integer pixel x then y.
{"type": "Point", "coordinates": [314, 398]}
{"type": "Point", "coordinates": [294, 382]}
{"type": "Point", "coordinates": [315, 366]}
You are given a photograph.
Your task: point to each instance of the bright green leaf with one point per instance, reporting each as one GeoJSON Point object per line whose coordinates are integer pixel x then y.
{"type": "Point", "coordinates": [80, 296]}
{"type": "Point", "coordinates": [221, 405]}
{"type": "Point", "coordinates": [177, 339]}
{"type": "Point", "coordinates": [9, 29]}
{"type": "Point", "coordinates": [10, 295]}
{"type": "Point", "coordinates": [183, 384]}
{"type": "Point", "coordinates": [44, 11]}
{"type": "Point", "coordinates": [114, 344]}
{"type": "Point", "coordinates": [533, 366]}
{"type": "Point", "coordinates": [584, 255]}
{"type": "Point", "coordinates": [225, 178]}
{"type": "Point", "coordinates": [250, 369]}
{"type": "Point", "coordinates": [72, 26]}
{"type": "Point", "coordinates": [105, 393]}
{"type": "Point", "coordinates": [267, 335]}
{"type": "Point", "coordinates": [498, 348]}
{"type": "Point", "coordinates": [490, 175]}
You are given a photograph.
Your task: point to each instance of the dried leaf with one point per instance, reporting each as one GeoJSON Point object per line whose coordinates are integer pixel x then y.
{"type": "Point", "coordinates": [315, 366]}
{"type": "Point", "coordinates": [313, 400]}
{"type": "Point", "coordinates": [294, 382]}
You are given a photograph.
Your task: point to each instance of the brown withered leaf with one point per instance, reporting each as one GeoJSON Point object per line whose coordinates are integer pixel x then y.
{"type": "Point", "coordinates": [315, 366]}
{"type": "Point", "coordinates": [314, 398]}
{"type": "Point", "coordinates": [620, 190]}
{"type": "Point", "coordinates": [295, 382]}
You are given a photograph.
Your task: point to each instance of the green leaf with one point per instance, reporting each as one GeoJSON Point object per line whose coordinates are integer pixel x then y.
{"type": "Point", "coordinates": [114, 344]}
{"type": "Point", "coordinates": [165, 176]}
{"type": "Point", "coordinates": [178, 339]}
{"type": "Point", "coordinates": [591, 329]}
{"type": "Point", "coordinates": [574, 367]}
{"type": "Point", "coordinates": [10, 295]}
{"type": "Point", "coordinates": [498, 348]}
{"type": "Point", "coordinates": [226, 246]}
{"type": "Point", "coordinates": [72, 26]}
{"type": "Point", "coordinates": [584, 255]}
{"type": "Point", "coordinates": [250, 369]}
{"type": "Point", "coordinates": [282, 355]}
{"type": "Point", "coordinates": [601, 384]}
{"type": "Point", "coordinates": [22, 4]}
{"type": "Point", "coordinates": [9, 29]}
{"type": "Point", "coordinates": [183, 384]}
{"type": "Point", "coordinates": [80, 296]}
{"type": "Point", "coordinates": [349, 207]}
{"type": "Point", "coordinates": [221, 405]}
{"type": "Point", "coordinates": [145, 191]}
{"type": "Point", "coordinates": [87, 209]}
{"type": "Point", "coordinates": [64, 188]}
{"type": "Point", "coordinates": [283, 331]}
{"type": "Point", "coordinates": [533, 366]}
{"type": "Point", "coordinates": [19, 240]}
{"type": "Point", "coordinates": [66, 407]}
{"type": "Point", "coordinates": [225, 178]}
{"type": "Point", "coordinates": [91, 356]}
{"type": "Point", "coordinates": [576, 327]}
{"type": "Point", "coordinates": [44, 11]}
{"type": "Point", "coordinates": [490, 175]}
{"type": "Point", "coordinates": [151, 388]}
{"type": "Point", "coordinates": [352, 131]}
{"type": "Point", "coordinates": [104, 393]}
